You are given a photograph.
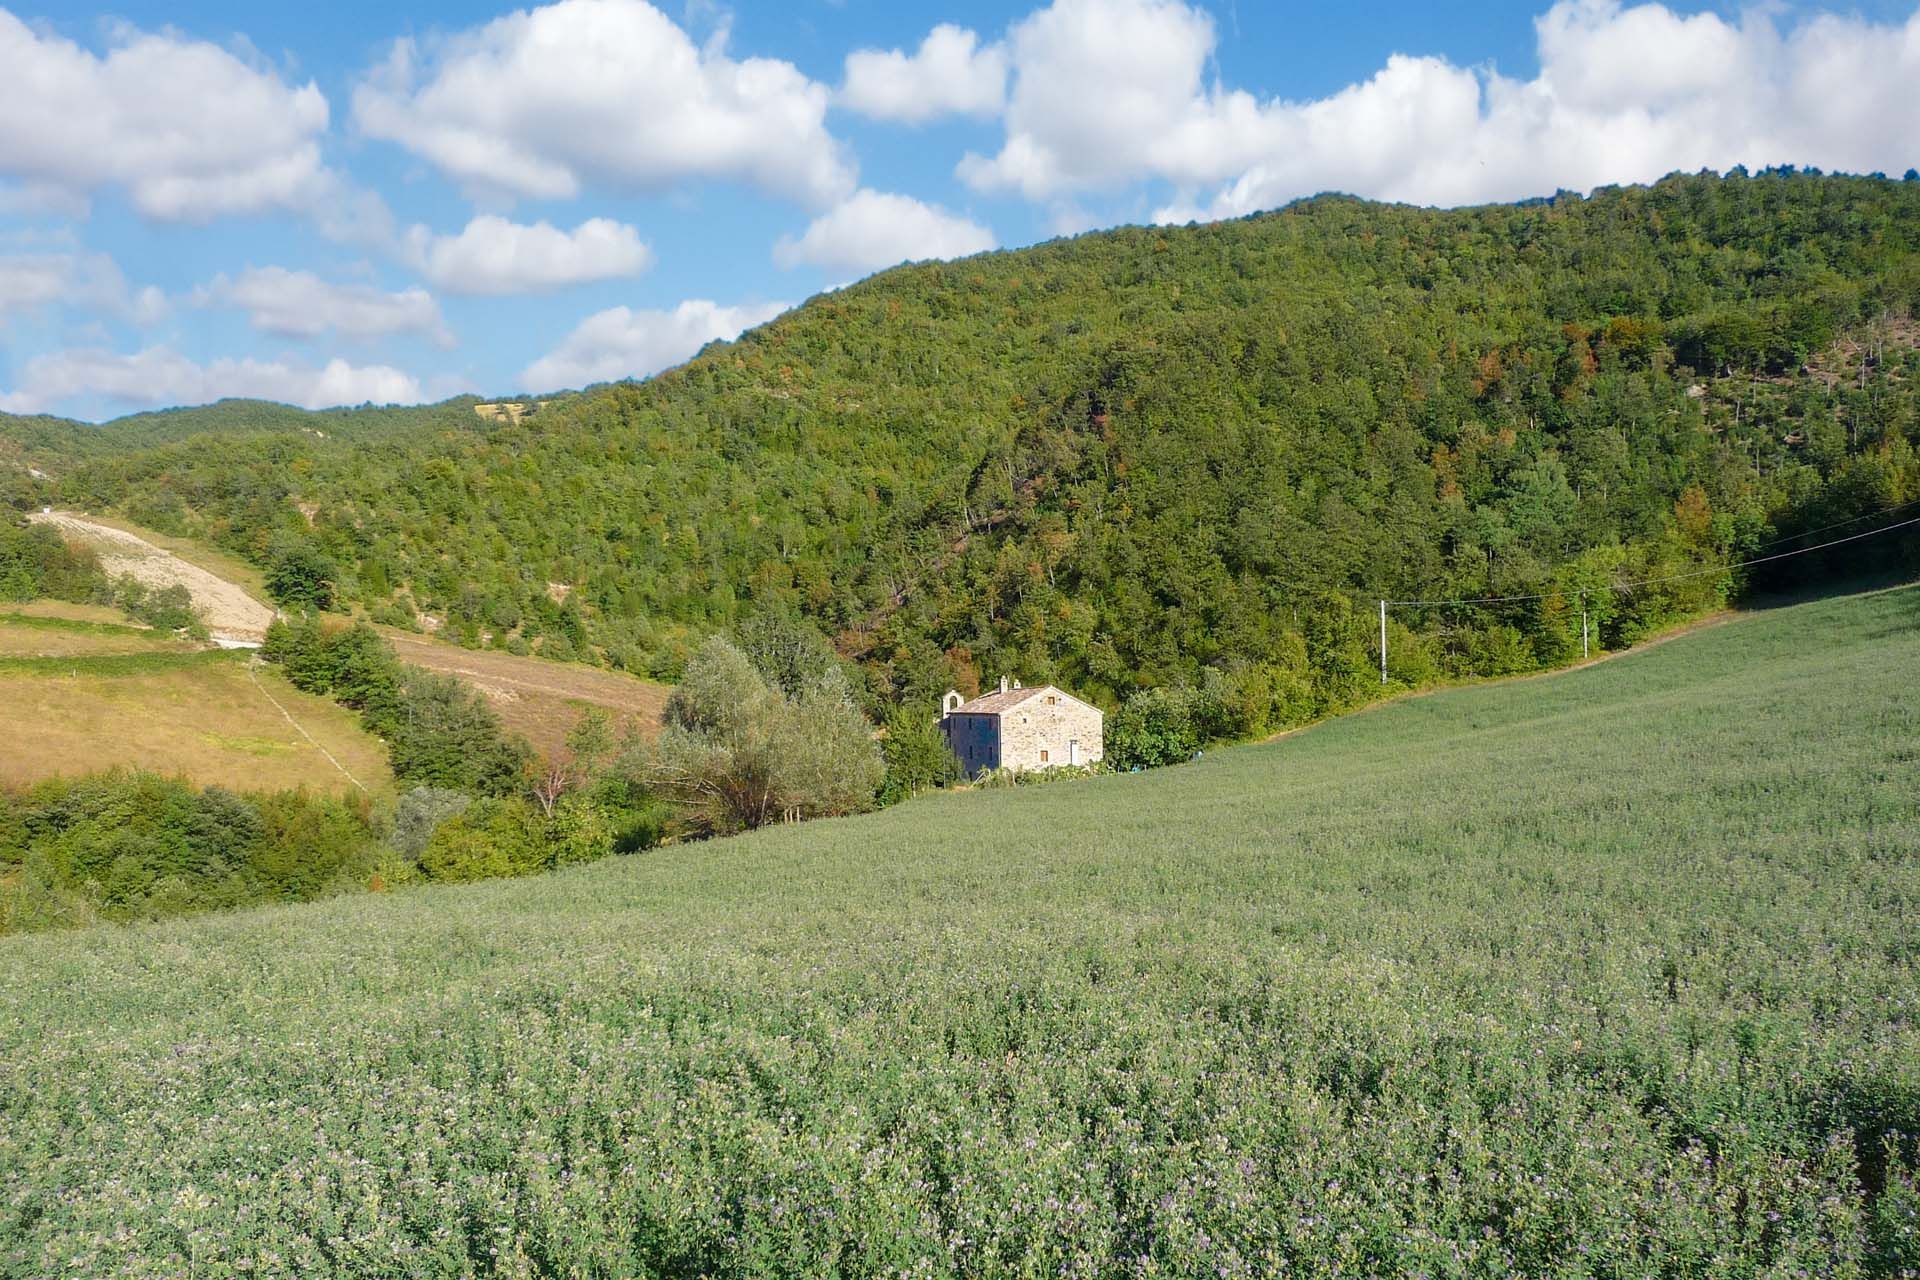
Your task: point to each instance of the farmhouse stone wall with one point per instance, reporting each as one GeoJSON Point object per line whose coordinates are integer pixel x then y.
{"type": "Point", "coordinates": [1036, 735]}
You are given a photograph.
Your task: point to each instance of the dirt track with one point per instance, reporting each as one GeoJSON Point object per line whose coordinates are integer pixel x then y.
{"type": "Point", "coordinates": [234, 617]}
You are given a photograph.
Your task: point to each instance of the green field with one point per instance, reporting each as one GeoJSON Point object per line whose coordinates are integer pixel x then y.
{"type": "Point", "coordinates": [1608, 974]}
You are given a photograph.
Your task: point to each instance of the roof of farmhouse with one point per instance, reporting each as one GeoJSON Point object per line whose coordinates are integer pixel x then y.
{"type": "Point", "coordinates": [1001, 700]}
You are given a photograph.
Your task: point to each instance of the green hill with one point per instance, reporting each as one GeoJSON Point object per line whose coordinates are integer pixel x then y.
{"type": "Point", "coordinates": [1606, 974]}
{"type": "Point", "coordinates": [1123, 459]}
{"type": "Point", "coordinates": [44, 438]}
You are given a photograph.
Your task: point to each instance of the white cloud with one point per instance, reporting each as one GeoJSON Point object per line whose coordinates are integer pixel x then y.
{"type": "Point", "coordinates": [494, 256]}
{"type": "Point", "coordinates": [1104, 92]}
{"type": "Point", "coordinates": [162, 376]}
{"type": "Point", "coordinates": [1107, 93]}
{"type": "Point", "coordinates": [950, 75]}
{"type": "Point", "coordinates": [188, 129]}
{"type": "Point", "coordinates": [299, 304]}
{"type": "Point", "coordinates": [624, 343]}
{"type": "Point", "coordinates": [92, 282]}
{"type": "Point", "coordinates": [540, 103]}
{"type": "Point", "coordinates": [877, 229]}
{"type": "Point", "coordinates": [42, 199]}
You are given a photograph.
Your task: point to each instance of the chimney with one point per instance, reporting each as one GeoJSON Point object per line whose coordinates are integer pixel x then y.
{"type": "Point", "coordinates": [1004, 684]}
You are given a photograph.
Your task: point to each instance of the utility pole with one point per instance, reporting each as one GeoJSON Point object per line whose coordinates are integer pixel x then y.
{"type": "Point", "coordinates": [1583, 625]}
{"type": "Point", "coordinates": [1383, 642]}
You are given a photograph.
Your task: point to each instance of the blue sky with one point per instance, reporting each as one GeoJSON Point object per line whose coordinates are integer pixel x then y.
{"type": "Point", "coordinates": [328, 204]}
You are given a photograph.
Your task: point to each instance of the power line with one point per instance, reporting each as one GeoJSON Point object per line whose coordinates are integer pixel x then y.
{"type": "Point", "coordinates": [1672, 577]}
{"type": "Point", "coordinates": [1583, 592]}
{"type": "Point", "coordinates": [1840, 524]}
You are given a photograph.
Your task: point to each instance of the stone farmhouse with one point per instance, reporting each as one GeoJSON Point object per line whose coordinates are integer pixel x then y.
{"type": "Point", "coordinates": [1022, 729]}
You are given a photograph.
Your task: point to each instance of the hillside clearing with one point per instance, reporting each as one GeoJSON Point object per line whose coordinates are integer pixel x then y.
{"type": "Point", "coordinates": [535, 697]}
{"type": "Point", "coordinates": [215, 560]}
{"type": "Point", "coordinates": [233, 616]}
{"type": "Point", "coordinates": [203, 716]}
{"type": "Point", "coordinates": [539, 699]}
{"type": "Point", "coordinates": [1611, 974]}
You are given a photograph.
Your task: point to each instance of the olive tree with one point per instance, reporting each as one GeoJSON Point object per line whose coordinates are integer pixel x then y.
{"type": "Point", "coordinates": [738, 752]}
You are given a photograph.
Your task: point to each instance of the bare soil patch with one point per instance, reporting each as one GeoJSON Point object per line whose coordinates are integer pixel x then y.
{"type": "Point", "coordinates": [233, 616]}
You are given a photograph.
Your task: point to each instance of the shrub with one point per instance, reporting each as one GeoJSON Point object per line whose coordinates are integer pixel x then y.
{"type": "Point", "coordinates": [495, 837]}
{"type": "Point", "coordinates": [739, 753]}
{"type": "Point", "coordinates": [1005, 779]}
{"type": "Point", "coordinates": [300, 575]}
{"type": "Point", "coordinates": [125, 846]}
{"type": "Point", "coordinates": [419, 814]}
{"type": "Point", "coordinates": [1155, 727]}
{"type": "Point", "coordinates": [35, 561]}
{"type": "Point", "coordinates": [917, 756]}
{"type": "Point", "coordinates": [390, 613]}
{"type": "Point", "coordinates": [442, 733]}
{"type": "Point", "coordinates": [640, 831]}
{"type": "Point", "coordinates": [580, 830]}
{"type": "Point", "coordinates": [791, 655]}
{"type": "Point", "coordinates": [439, 731]}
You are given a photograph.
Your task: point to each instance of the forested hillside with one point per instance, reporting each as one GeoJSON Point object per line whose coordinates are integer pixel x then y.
{"type": "Point", "coordinates": [1135, 457]}
{"type": "Point", "coordinates": [57, 441]}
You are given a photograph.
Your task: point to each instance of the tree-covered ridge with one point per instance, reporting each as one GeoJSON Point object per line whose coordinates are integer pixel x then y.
{"type": "Point", "coordinates": [1130, 458]}
{"type": "Point", "coordinates": [43, 442]}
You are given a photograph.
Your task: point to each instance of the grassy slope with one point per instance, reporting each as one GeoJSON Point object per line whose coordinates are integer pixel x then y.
{"type": "Point", "coordinates": [66, 609]}
{"type": "Point", "coordinates": [199, 715]}
{"type": "Point", "coordinates": [30, 632]}
{"type": "Point", "coordinates": [533, 696]}
{"type": "Point", "coordinates": [1609, 973]}
{"type": "Point", "coordinates": [538, 698]}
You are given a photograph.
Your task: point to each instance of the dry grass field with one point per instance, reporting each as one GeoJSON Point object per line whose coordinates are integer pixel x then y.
{"type": "Point", "coordinates": [534, 697]}
{"type": "Point", "coordinates": [538, 699]}
{"type": "Point", "coordinates": [39, 635]}
{"type": "Point", "coordinates": [206, 716]}
{"type": "Point", "coordinates": [72, 612]}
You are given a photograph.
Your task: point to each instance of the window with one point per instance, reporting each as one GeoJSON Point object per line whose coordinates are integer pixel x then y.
{"type": "Point", "coordinates": [1052, 701]}
{"type": "Point", "coordinates": [1043, 757]}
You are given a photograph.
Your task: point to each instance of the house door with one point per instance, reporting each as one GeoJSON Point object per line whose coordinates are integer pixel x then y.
{"type": "Point", "coordinates": [1073, 751]}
